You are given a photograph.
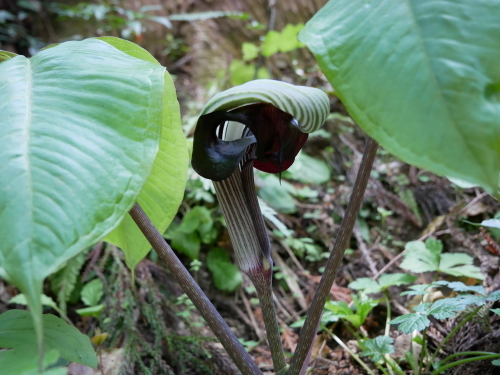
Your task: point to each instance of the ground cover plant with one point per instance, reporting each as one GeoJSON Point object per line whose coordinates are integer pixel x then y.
{"type": "Point", "coordinates": [85, 144]}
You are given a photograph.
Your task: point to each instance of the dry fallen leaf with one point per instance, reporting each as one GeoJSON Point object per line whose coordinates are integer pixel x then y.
{"type": "Point", "coordinates": [110, 363]}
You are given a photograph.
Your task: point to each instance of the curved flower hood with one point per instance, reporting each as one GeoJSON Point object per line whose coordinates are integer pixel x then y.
{"type": "Point", "coordinates": [277, 117]}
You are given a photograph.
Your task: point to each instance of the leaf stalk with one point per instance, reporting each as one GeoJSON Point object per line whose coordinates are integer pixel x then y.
{"type": "Point", "coordinates": [220, 328]}
{"type": "Point", "coordinates": [311, 324]}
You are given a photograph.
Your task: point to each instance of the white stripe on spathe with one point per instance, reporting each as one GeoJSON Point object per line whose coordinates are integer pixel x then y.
{"type": "Point", "coordinates": [310, 106]}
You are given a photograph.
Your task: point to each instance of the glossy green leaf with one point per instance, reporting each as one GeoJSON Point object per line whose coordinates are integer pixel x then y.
{"type": "Point", "coordinates": [426, 257]}
{"type": "Point", "coordinates": [24, 361]}
{"type": "Point", "coordinates": [277, 194]}
{"type": "Point", "coordinates": [441, 309]}
{"type": "Point", "coordinates": [365, 284]}
{"type": "Point", "coordinates": [91, 310]}
{"type": "Point", "coordinates": [250, 51]}
{"type": "Point", "coordinates": [422, 77]}
{"type": "Point", "coordinates": [242, 72]}
{"type": "Point", "coordinates": [17, 330]}
{"type": "Point", "coordinates": [368, 285]}
{"type": "Point", "coordinates": [377, 347]}
{"type": "Point", "coordinates": [187, 243]}
{"type": "Point", "coordinates": [282, 41]}
{"type": "Point", "coordinates": [92, 292]}
{"type": "Point", "coordinates": [225, 274]}
{"type": "Point", "coordinates": [411, 322]}
{"type": "Point", "coordinates": [201, 16]}
{"type": "Point", "coordinates": [63, 282]}
{"type": "Point", "coordinates": [79, 132]}
{"type": "Point", "coordinates": [494, 296]}
{"type": "Point", "coordinates": [308, 105]}
{"type": "Point", "coordinates": [162, 194]}
{"type": "Point", "coordinates": [459, 264]}
{"type": "Point", "coordinates": [394, 279]}
{"type": "Point", "coordinates": [20, 299]}
{"type": "Point", "coordinates": [419, 258]}
{"type": "Point", "coordinates": [308, 170]}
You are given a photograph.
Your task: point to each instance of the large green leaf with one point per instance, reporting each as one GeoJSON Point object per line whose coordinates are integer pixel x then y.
{"type": "Point", "coordinates": [308, 105]}
{"type": "Point", "coordinates": [164, 189]}
{"type": "Point", "coordinates": [79, 131]}
{"type": "Point", "coordinates": [24, 361]}
{"type": "Point", "coordinates": [422, 77]}
{"type": "Point", "coordinates": [16, 331]}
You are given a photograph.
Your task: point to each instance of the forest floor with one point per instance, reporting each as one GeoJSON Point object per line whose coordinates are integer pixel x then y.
{"type": "Point", "coordinates": [149, 327]}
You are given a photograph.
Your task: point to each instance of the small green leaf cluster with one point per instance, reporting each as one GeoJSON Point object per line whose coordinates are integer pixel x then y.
{"type": "Point", "coordinates": [226, 276]}
{"type": "Point", "coordinates": [273, 42]}
{"type": "Point", "coordinates": [368, 285]}
{"type": "Point", "coordinates": [443, 308]}
{"type": "Point", "coordinates": [427, 256]}
{"type": "Point", "coordinates": [335, 310]}
{"type": "Point", "coordinates": [306, 248]}
{"type": "Point", "coordinates": [91, 295]}
{"type": "Point", "coordinates": [356, 316]}
{"type": "Point", "coordinates": [376, 348]}
{"type": "Point", "coordinates": [197, 227]}
{"type": "Point", "coordinates": [280, 194]}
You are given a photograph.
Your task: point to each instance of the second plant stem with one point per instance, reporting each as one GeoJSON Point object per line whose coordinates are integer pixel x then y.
{"type": "Point", "coordinates": [450, 335]}
{"type": "Point", "coordinates": [308, 332]}
{"type": "Point", "coordinates": [263, 287]}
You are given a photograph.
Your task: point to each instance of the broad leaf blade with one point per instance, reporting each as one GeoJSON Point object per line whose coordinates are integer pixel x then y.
{"type": "Point", "coordinates": [17, 330]}
{"type": "Point", "coordinates": [459, 264]}
{"type": "Point", "coordinates": [394, 279]}
{"type": "Point", "coordinates": [24, 361]}
{"type": "Point", "coordinates": [411, 322]}
{"type": "Point", "coordinates": [419, 258]}
{"type": "Point", "coordinates": [419, 76]}
{"type": "Point", "coordinates": [365, 284]}
{"type": "Point", "coordinates": [92, 292]}
{"type": "Point", "coordinates": [225, 274]}
{"type": "Point", "coordinates": [377, 347]}
{"type": "Point", "coordinates": [163, 191]}
{"type": "Point", "coordinates": [77, 142]}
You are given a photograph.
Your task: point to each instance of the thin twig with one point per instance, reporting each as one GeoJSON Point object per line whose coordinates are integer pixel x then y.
{"type": "Point", "coordinates": [352, 354]}
{"type": "Point", "coordinates": [311, 324]}
{"type": "Point", "coordinates": [474, 201]}
{"type": "Point", "coordinates": [220, 328]}
{"type": "Point", "coordinates": [364, 249]}
{"type": "Point", "coordinates": [250, 313]}
{"type": "Point", "coordinates": [450, 335]}
{"type": "Point", "coordinates": [388, 265]}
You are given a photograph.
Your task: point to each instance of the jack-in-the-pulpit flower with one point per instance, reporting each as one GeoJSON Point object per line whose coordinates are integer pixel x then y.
{"type": "Point", "coordinates": [261, 124]}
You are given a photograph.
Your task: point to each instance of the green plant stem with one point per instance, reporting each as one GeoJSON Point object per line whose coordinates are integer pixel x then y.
{"type": "Point", "coordinates": [393, 365]}
{"type": "Point", "coordinates": [388, 318]}
{"type": "Point", "coordinates": [263, 287]}
{"type": "Point", "coordinates": [450, 335]}
{"type": "Point", "coordinates": [353, 332]}
{"type": "Point", "coordinates": [424, 349]}
{"type": "Point", "coordinates": [220, 328]}
{"type": "Point", "coordinates": [388, 324]}
{"type": "Point", "coordinates": [308, 332]}
{"type": "Point", "coordinates": [463, 354]}
{"type": "Point", "coordinates": [381, 368]}
{"type": "Point", "coordinates": [461, 362]}
{"type": "Point", "coordinates": [351, 353]}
